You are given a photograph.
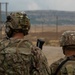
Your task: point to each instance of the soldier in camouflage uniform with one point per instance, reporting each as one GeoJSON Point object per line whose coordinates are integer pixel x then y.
{"type": "Point", "coordinates": [18, 56]}
{"type": "Point", "coordinates": [66, 65]}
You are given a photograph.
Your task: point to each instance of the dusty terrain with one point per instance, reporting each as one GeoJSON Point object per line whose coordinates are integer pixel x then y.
{"type": "Point", "coordinates": [52, 53]}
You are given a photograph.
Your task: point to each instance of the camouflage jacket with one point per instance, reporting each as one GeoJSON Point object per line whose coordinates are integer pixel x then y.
{"type": "Point", "coordinates": [20, 57]}
{"type": "Point", "coordinates": [64, 66]}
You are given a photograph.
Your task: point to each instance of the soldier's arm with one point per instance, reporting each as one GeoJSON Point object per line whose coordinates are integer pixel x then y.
{"type": "Point", "coordinates": [40, 61]}
{"type": "Point", "coordinates": [53, 67]}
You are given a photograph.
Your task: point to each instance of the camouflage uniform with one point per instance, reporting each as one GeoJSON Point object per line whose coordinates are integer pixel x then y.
{"type": "Point", "coordinates": [66, 65]}
{"type": "Point", "coordinates": [21, 57]}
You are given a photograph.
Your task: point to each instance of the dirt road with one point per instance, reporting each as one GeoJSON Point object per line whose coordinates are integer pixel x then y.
{"type": "Point", "coordinates": [52, 53]}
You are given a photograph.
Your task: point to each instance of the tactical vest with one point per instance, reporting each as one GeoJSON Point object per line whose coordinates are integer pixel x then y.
{"type": "Point", "coordinates": [20, 57]}
{"type": "Point", "coordinates": [64, 66]}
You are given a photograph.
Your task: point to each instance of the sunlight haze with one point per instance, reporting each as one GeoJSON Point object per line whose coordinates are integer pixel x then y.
{"type": "Point", "coordinates": [18, 5]}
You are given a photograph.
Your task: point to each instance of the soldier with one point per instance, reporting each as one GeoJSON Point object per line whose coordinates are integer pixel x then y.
{"type": "Point", "coordinates": [18, 56]}
{"type": "Point", "coordinates": [66, 65]}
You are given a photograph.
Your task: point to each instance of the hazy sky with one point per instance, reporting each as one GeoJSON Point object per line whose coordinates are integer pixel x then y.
{"type": "Point", "coordinates": [20, 5]}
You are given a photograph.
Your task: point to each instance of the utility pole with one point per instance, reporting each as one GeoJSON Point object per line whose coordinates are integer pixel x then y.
{"type": "Point", "coordinates": [5, 12]}
{"type": "Point", "coordinates": [0, 12]}
{"type": "Point", "coordinates": [57, 26]}
{"type": "Point", "coordinates": [42, 27]}
{"type": "Point", "coordinates": [6, 8]}
{"type": "Point", "coordinates": [6, 4]}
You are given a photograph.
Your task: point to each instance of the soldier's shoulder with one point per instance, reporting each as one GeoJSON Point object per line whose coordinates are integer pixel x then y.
{"type": "Point", "coordinates": [54, 65]}
{"type": "Point", "coordinates": [57, 62]}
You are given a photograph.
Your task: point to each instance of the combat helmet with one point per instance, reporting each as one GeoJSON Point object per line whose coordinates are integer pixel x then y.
{"type": "Point", "coordinates": [68, 39]}
{"type": "Point", "coordinates": [17, 22]}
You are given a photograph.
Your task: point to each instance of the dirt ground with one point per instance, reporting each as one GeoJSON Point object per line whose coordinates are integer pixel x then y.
{"type": "Point", "coordinates": [52, 53]}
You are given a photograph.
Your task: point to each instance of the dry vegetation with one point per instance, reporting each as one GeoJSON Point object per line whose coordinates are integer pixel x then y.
{"type": "Point", "coordinates": [50, 34]}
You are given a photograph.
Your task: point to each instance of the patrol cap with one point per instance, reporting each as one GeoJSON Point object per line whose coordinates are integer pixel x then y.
{"type": "Point", "coordinates": [67, 38]}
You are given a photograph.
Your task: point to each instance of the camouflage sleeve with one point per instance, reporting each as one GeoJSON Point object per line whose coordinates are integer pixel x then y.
{"type": "Point", "coordinates": [4, 43]}
{"type": "Point", "coordinates": [40, 62]}
{"type": "Point", "coordinates": [53, 67]}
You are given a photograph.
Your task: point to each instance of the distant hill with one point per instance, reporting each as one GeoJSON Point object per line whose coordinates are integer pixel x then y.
{"type": "Point", "coordinates": [50, 17]}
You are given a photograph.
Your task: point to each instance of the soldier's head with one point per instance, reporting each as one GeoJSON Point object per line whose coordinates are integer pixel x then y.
{"type": "Point", "coordinates": [67, 42]}
{"type": "Point", "coordinates": [14, 25]}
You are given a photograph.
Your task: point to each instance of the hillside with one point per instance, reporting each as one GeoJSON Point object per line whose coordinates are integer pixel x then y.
{"type": "Point", "coordinates": [50, 17]}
